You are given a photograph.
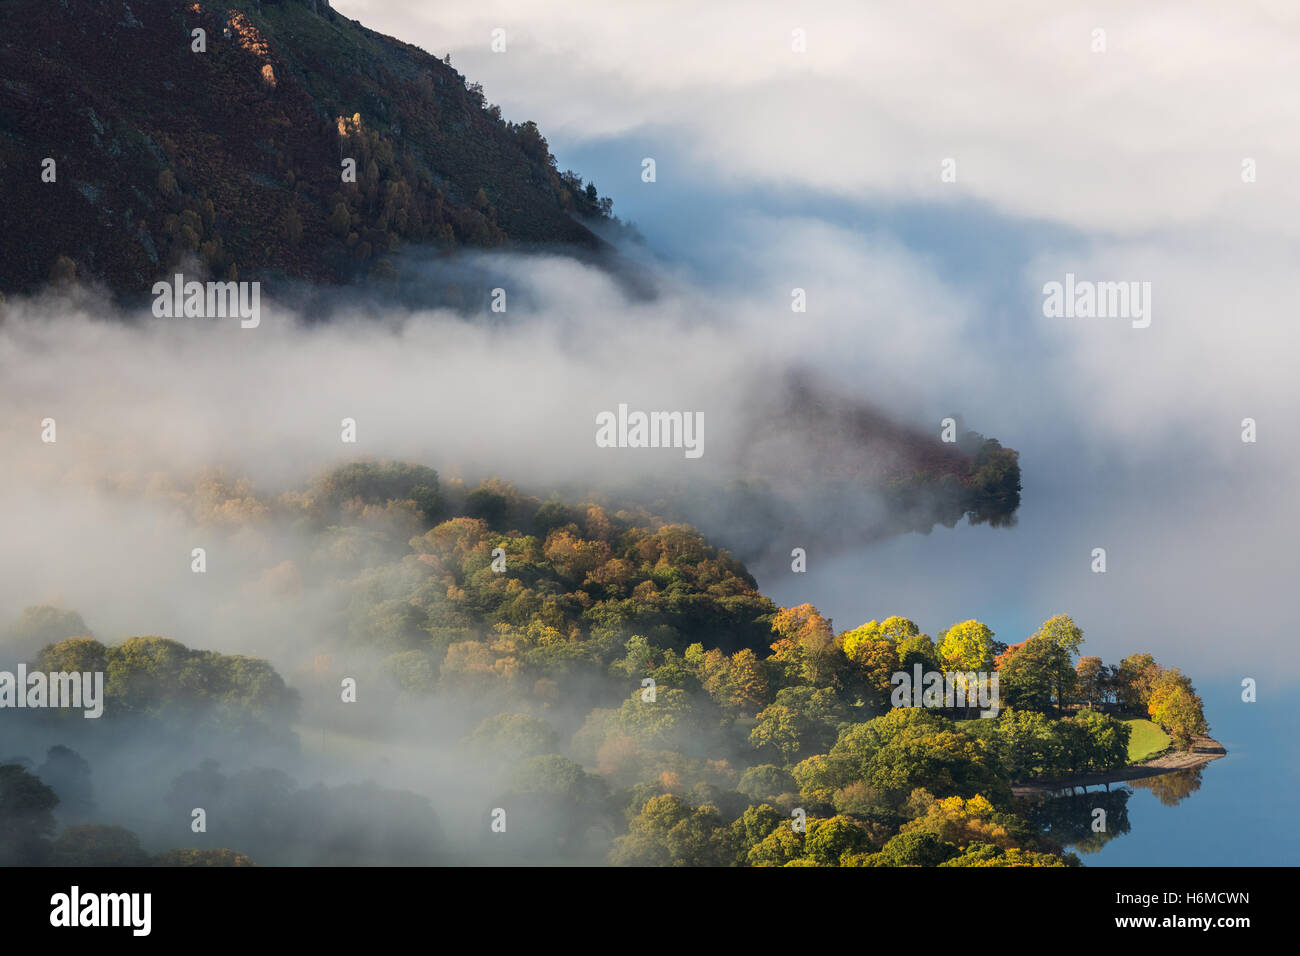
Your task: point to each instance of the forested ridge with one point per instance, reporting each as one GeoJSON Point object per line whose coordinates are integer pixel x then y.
{"type": "Point", "coordinates": [620, 689]}
{"type": "Point", "coordinates": [224, 154]}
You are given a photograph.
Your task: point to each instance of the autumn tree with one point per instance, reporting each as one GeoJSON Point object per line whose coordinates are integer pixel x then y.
{"type": "Point", "coordinates": [962, 821]}
{"type": "Point", "coordinates": [966, 648]}
{"type": "Point", "coordinates": [195, 857]}
{"type": "Point", "coordinates": [746, 685]}
{"type": "Point", "coordinates": [869, 673]}
{"type": "Point", "coordinates": [1175, 706]}
{"type": "Point", "coordinates": [892, 630]}
{"type": "Point", "coordinates": [94, 845]}
{"type": "Point", "coordinates": [807, 640]}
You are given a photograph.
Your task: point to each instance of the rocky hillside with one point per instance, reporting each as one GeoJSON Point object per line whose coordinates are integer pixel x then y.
{"type": "Point", "coordinates": [227, 148]}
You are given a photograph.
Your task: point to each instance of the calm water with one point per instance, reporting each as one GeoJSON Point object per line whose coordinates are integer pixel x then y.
{"type": "Point", "coordinates": [1244, 811]}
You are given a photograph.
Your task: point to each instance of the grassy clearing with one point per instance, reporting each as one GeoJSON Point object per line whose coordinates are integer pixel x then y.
{"type": "Point", "coordinates": [1147, 740]}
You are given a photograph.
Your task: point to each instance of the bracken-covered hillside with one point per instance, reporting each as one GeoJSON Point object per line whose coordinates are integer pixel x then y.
{"type": "Point", "coordinates": [234, 156]}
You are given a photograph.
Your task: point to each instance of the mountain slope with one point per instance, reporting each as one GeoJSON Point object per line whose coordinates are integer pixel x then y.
{"type": "Point", "coordinates": [234, 155]}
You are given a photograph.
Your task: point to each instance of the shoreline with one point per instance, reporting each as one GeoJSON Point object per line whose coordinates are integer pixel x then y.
{"type": "Point", "coordinates": [1204, 750]}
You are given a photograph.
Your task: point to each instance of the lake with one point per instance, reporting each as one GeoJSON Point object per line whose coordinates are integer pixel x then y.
{"type": "Point", "coordinates": [1196, 576]}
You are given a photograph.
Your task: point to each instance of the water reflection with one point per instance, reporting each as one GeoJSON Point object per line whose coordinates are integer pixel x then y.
{"type": "Point", "coordinates": [1070, 820]}
{"type": "Point", "coordinates": [1174, 787]}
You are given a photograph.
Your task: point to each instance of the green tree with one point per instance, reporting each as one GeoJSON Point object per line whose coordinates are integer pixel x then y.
{"type": "Point", "coordinates": [37, 627]}
{"type": "Point", "coordinates": [1092, 681]}
{"type": "Point", "coordinates": [1062, 632]}
{"type": "Point", "coordinates": [26, 818]}
{"type": "Point", "coordinates": [513, 737]}
{"type": "Point", "coordinates": [967, 646]}
{"type": "Point", "coordinates": [915, 848]}
{"type": "Point", "coordinates": [754, 825]}
{"type": "Point", "coordinates": [669, 832]}
{"type": "Point", "coordinates": [766, 781]}
{"type": "Point", "coordinates": [778, 848]}
{"type": "Point", "coordinates": [670, 721]}
{"type": "Point", "coordinates": [1100, 742]}
{"type": "Point", "coordinates": [918, 649]}
{"type": "Point", "coordinates": [1036, 674]}
{"type": "Point", "coordinates": [488, 505]}
{"type": "Point", "coordinates": [828, 840]}
{"type": "Point", "coordinates": [1137, 675]}
{"type": "Point", "coordinates": [801, 720]}
{"type": "Point", "coordinates": [1030, 745]}
{"type": "Point", "coordinates": [340, 221]}
{"type": "Point", "coordinates": [68, 775]}
{"type": "Point", "coordinates": [945, 763]}
{"type": "Point", "coordinates": [819, 777]}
